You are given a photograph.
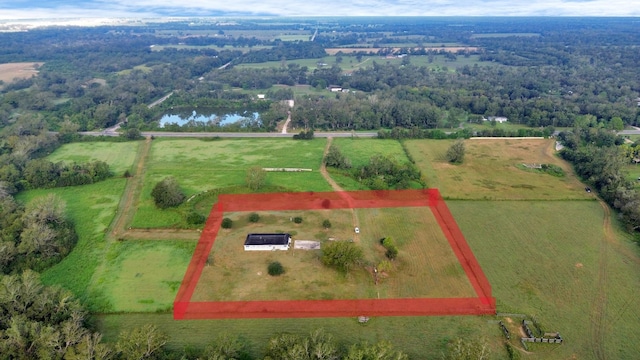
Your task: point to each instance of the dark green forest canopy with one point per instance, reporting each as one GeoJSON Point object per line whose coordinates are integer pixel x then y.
{"type": "Point", "coordinates": [534, 71]}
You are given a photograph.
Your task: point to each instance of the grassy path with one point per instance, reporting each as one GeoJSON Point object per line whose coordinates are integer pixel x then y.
{"type": "Point", "coordinates": [599, 307]}
{"type": "Point", "coordinates": [338, 189]}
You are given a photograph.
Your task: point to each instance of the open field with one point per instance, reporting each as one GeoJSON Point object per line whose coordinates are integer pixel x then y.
{"type": "Point", "coordinates": [545, 259]}
{"type": "Point", "coordinates": [22, 70]}
{"type": "Point", "coordinates": [490, 170]}
{"type": "Point", "coordinates": [204, 165]}
{"type": "Point", "coordinates": [242, 49]}
{"type": "Point", "coordinates": [359, 151]}
{"type": "Point", "coordinates": [236, 275]}
{"type": "Point", "coordinates": [120, 156]}
{"type": "Point", "coordinates": [129, 287]}
{"type": "Point", "coordinates": [501, 35]}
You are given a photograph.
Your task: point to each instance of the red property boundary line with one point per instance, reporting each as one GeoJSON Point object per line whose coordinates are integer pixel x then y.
{"type": "Point", "coordinates": [482, 304]}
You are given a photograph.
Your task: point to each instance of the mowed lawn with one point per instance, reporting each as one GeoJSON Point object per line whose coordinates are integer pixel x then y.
{"type": "Point", "coordinates": [119, 155]}
{"type": "Point", "coordinates": [543, 259]}
{"type": "Point", "coordinates": [425, 267]}
{"type": "Point", "coordinates": [143, 275]}
{"type": "Point", "coordinates": [490, 171]}
{"type": "Point", "coordinates": [201, 165]}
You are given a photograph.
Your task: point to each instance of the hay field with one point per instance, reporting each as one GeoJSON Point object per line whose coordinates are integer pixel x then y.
{"type": "Point", "coordinates": [425, 267]}
{"type": "Point", "coordinates": [22, 70]}
{"type": "Point", "coordinates": [490, 170]}
{"type": "Point", "coordinates": [120, 156]}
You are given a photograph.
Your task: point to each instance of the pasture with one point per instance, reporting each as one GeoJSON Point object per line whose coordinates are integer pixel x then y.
{"type": "Point", "coordinates": [490, 170]}
{"type": "Point", "coordinates": [545, 259]}
{"type": "Point", "coordinates": [129, 287]}
{"type": "Point", "coordinates": [22, 70]}
{"type": "Point", "coordinates": [119, 155]}
{"type": "Point", "coordinates": [426, 266]}
{"type": "Point", "coordinates": [205, 165]}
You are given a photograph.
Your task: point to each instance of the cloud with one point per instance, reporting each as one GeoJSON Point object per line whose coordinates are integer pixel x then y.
{"type": "Point", "coordinates": [157, 8]}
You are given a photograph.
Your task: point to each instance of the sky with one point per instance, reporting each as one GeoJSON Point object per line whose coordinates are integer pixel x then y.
{"type": "Point", "coordinates": [33, 9]}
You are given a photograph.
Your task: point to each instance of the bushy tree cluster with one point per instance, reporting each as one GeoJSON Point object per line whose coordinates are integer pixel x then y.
{"type": "Point", "coordinates": [384, 172]}
{"type": "Point", "coordinates": [455, 153]}
{"type": "Point", "coordinates": [41, 173]}
{"type": "Point", "coordinates": [167, 193]}
{"type": "Point", "coordinates": [335, 158]}
{"type": "Point", "coordinates": [342, 255]}
{"type": "Point", "coordinates": [390, 245]}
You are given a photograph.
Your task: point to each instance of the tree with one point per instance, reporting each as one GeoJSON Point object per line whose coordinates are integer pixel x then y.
{"type": "Point", "coordinates": [256, 178]}
{"type": "Point", "coordinates": [336, 159]}
{"type": "Point", "coordinates": [341, 254]}
{"type": "Point", "coordinates": [326, 224]}
{"type": "Point", "coordinates": [141, 343]}
{"type": "Point", "coordinates": [382, 350]}
{"type": "Point", "coordinates": [317, 346]}
{"type": "Point", "coordinates": [468, 349]}
{"type": "Point", "coordinates": [167, 193]}
{"type": "Point", "coordinates": [254, 217]}
{"type": "Point", "coordinates": [455, 153]}
{"type": "Point", "coordinates": [275, 268]}
{"type": "Point", "coordinates": [225, 347]}
{"type": "Point", "coordinates": [227, 223]}
{"type": "Point", "coordinates": [131, 133]}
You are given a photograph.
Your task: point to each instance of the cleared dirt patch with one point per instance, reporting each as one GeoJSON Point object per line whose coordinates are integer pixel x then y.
{"type": "Point", "coordinates": [11, 71]}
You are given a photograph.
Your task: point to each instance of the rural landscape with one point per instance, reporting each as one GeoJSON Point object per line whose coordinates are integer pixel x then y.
{"type": "Point", "coordinates": [442, 188]}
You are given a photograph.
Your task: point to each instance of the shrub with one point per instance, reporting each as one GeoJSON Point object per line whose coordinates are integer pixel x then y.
{"type": "Point", "coordinates": [195, 218]}
{"type": "Point", "coordinates": [167, 193]}
{"type": "Point", "coordinates": [227, 223]}
{"type": "Point", "coordinates": [275, 269]}
{"type": "Point", "coordinates": [455, 153]}
{"type": "Point", "coordinates": [390, 245]}
{"type": "Point", "coordinates": [254, 217]}
{"type": "Point", "coordinates": [127, 174]}
{"type": "Point", "coordinates": [326, 224]}
{"type": "Point", "coordinates": [297, 220]}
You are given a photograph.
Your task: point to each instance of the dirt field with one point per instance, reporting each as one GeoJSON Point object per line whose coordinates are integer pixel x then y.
{"type": "Point", "coordinates": [24, 70]}
{"type": "Point", "coordinates": [333, 51]}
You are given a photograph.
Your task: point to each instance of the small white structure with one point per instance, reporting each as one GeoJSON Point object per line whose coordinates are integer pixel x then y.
{"type": "Point", "coordinates": [261, 96]}
{"type": "Point", "coordinates": [267, 242]}
{"type": "Point", "coordinates": [498, 119]}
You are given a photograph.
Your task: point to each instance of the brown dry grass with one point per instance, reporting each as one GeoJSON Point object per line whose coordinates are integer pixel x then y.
{"type": "Point", "coordinates": [11, 71]}
{"type": "Point", "coordinates": [425, 267]}
{"type": "Point", "coordinates": [490, 170]}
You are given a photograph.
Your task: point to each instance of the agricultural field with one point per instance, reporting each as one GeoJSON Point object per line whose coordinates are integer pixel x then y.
{"type": "Point", "coordinates": [492, 170]}
{"type": "Point", "coordinates": [426, 266]}
{"type": "Point", "coordinates": [206, 165]}
{"type": "Point", "coordinates": [552, 260]}
{"type": "Point", "coordinates": [22, 70]}
{"type": "Point", "coordinates": [120, 156]}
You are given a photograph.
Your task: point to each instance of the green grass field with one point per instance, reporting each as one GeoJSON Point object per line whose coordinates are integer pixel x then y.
{"type": "Point", "coordinates": [490, 170]}
{"type": "Point", "coordinates": [542, 259]}
{"type": "Point", "coordinates": [91, 207]}
{"type": "Point", "coordinates": [359, 151]}
{"type": "Point", "coordinates": [205, 165]}
{"type": "Point", "coordinates": [130, 287]}
{"type": "Point", "coordinates": [426, 266]}
{"type": "Point", "coordinates": [120, 156]}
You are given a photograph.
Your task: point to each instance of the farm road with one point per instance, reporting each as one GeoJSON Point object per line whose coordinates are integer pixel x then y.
{"type": "Point", "coordinates": [127, 206]}
{"type": "Point", "coordinates": [337, 188]}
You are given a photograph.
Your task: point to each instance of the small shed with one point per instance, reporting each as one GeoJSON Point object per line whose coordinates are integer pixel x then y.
{"type": "Point", "coordinates": [267, 242]}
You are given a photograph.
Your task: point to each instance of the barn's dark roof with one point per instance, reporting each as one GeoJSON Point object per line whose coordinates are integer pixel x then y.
{"type": "Point", "coordinates": [267, 239]}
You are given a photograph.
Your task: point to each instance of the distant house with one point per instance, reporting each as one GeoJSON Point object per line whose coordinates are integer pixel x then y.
{"type": "Point", "coordinates": [267, 242]}
{"type": "Point", "coordinates": [498, 119]}
{"type": "Point", "coordinates": [261, 96]}
{"type": "Point", "coordinates": [334, 88]}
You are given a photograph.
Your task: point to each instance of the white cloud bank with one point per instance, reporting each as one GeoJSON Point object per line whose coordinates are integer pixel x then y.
{"type": "Point", "coordinates": [160, 8]}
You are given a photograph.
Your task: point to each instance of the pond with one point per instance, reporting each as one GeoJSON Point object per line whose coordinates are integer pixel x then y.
{"type": "Point", "coordinates": [208, 117]}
